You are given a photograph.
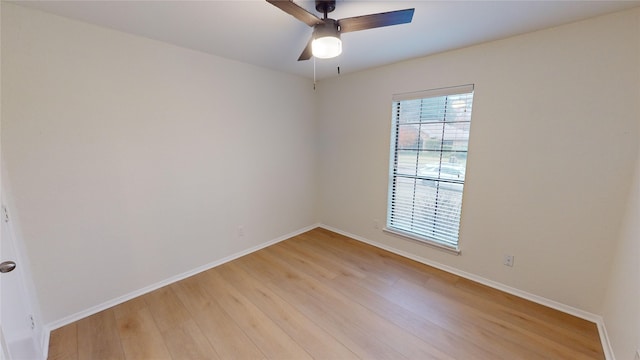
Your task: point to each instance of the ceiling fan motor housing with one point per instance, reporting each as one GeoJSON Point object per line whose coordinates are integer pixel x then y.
{"type": "Point", "coordinates": [328, 28]}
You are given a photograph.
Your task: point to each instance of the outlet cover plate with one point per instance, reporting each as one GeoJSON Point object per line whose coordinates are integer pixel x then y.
{"type": "Point", "coordinates": [508, 260]}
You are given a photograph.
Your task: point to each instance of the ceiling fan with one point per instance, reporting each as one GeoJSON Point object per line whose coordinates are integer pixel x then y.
{"type": "Point", "coordinates": [325, 42]}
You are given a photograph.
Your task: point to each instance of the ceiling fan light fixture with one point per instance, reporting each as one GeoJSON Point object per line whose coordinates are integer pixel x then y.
{"type": "Point", "coordinates": [326, 40]}
{"type": "Point", "coordinates": [326, 47]}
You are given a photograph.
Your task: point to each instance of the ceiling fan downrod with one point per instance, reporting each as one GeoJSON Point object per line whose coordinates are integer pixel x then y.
{"type": "Point", "coordinates": [325, 7]}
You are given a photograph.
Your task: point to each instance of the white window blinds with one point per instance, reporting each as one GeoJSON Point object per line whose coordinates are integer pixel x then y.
{"type": "Point", "coordinates": [428, 164]}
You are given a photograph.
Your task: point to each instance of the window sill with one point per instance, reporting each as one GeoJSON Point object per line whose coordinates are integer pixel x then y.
{"type": "Point", "coordinates": [439, 246]}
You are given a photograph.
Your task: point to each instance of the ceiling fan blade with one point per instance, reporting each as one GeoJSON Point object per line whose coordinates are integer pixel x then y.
{"type": "Point", "coordinates": [296, 11]}
{"type": "Point", "coordinates": [364, 22]}
{"type": "Point", "coordinates": [306, 53]}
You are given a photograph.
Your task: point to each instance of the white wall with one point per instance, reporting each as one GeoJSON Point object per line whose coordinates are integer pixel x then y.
{"type": "Point", "coordinates": [553, 134]}
{"type": "Point", "coordinates": [133, 161]}
{"type": "Point", "coordinates": [622, 301]}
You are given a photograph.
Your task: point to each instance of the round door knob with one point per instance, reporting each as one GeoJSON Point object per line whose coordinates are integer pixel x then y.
{"type": "Point", "coordinates": [7, 266]}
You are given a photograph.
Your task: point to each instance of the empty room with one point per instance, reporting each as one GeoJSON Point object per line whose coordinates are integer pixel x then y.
{"type": "Point", "coordinates": [320, 179]}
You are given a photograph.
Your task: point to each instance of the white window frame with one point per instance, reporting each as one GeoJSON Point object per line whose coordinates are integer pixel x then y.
{"type": "Point", "coordinates": [399, 220]}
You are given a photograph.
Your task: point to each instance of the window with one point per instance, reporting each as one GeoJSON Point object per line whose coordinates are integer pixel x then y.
{"type": "Point", "coordinates": [429, 143]}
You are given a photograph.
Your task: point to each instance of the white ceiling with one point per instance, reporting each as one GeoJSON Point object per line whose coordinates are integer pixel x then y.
{"type": "Point", "coordinates": [256, 32]}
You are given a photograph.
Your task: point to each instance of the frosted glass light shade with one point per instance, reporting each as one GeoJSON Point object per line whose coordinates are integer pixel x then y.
{"type": "Point", "coordinates": [326, 47]}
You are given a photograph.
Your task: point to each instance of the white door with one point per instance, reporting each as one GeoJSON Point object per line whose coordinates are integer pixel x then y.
{"type": "Point", "coordinates": [16, 321]}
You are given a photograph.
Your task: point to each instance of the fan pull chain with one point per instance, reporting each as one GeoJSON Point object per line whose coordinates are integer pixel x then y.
{"type": "Point", "coordinates": [314, 73]}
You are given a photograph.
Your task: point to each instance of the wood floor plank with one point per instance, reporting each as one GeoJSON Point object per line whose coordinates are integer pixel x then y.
{"type": "Point", "coordinates": [444, 336]}
{"type": "Point", "coordinates": [138, 332]}
{"type": "Point", "coordinates": [322, 295]}
{"type": "Point", "coordinates": [167, 310]}
{"type": "Point", "coordinates": [226, 337]}
{"type": "Point", "coordinates": [183, 337]}
{"type": "Point", "coordinates": [303, 261]}
{"type": "Point", "coordinates": [303, 249]}
{"type": "Point", "coordinates": [98, 337]}
{"type": "Point", "coordinates": [64, 343]}
{"type": "Point", "coordinates": [468, 336]}
{"type": "Point", "coordinates": [266, 334]}
{"type": "Point", "coordinates": [317, 342]}
{"type": "Point", "coordinates": [332, 246]}
{"type": "Point", "coordinates": [357, 340]}
{"type": "Point", "coordinates": [361, 321]}
{"type": "Point", "coordinates": [186, 341]}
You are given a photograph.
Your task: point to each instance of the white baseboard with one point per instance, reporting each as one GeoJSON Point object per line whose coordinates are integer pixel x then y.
{"type": "Point", "coordinates": [44, 342]}
{"type": "Point", "coordinates": [597, 319]}
{"type": "Point", "coordinates": [604, 338]}
{"type": "Point", "coordinates": [48, 328]}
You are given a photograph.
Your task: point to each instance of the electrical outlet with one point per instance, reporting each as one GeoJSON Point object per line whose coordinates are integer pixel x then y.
{"type": "Point", "coordinates": [31, 322]}
{"type": "Point", "coordinates": [508, 260]}
{"type": "Point", "coordinates": [376, 224]}
{"type": "Point", "coordinates": [240, 231]}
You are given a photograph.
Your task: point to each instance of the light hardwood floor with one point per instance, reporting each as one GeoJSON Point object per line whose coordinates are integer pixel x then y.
{"type": "Point", "coordinates": [324, 296]}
